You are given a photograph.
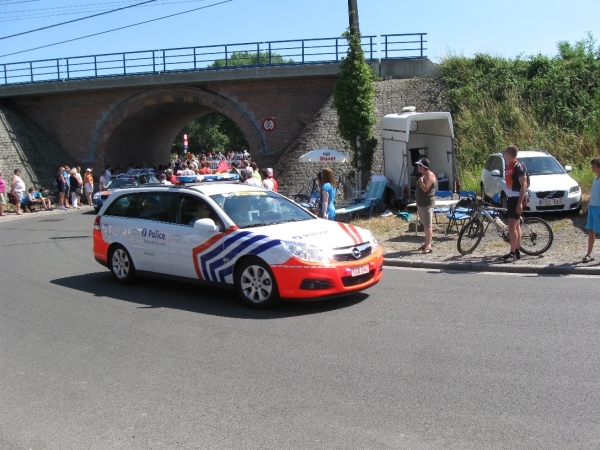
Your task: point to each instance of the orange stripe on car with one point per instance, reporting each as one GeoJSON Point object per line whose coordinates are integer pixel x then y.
{"type": "Point", "coordinates": [349, 232]}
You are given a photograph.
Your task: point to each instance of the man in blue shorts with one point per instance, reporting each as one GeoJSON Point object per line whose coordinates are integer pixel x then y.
{"type": "Point", "coordinates": [515, 176]}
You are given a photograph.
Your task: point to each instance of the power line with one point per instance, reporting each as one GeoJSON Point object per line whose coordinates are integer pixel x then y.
{"type": "Point", "coordinates": [26, 14]}
{"type": "Point", "coordinates": [115, 29]}
{"type": "Point", "coordinates": [76, 20]}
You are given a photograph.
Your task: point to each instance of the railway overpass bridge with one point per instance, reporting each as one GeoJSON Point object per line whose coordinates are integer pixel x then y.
{"type": "Point", "coordinates": [134, 116]}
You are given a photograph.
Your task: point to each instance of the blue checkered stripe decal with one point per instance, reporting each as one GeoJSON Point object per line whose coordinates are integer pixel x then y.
{"type": "Point", "coordinates": [217, 262]}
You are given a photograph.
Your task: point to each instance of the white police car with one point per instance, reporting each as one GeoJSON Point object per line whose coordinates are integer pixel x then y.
{"type": "Point", "coordinates": [255, 241]}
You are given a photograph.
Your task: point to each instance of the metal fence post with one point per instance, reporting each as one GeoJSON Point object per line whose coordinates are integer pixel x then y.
{"type": "Point", "coordinates": [153, 61]}
{"type": "Point", "coordinates": [195, 58]}
{"type": "Point", "coordinates": [258, 53]}
{"type": "Point", "coordinates": [386, 47]}
{"type": "Point", "coordinates": [226, 59]}
{"type": "Point", "coordinates": [270, 59]}
{"type": "Point", "coordinates": [95, 67]}
{"type": "Point", "coordinates": [124, 69]}
{"type": "Point", "coordinates": [31, 70]}
{"type": "Point", "coordinates": [421, 45]}
{"type": "Point", "coordinates": [337, 58]}
{"type": "Point", "coordinates": [303, 51]}
{"type": "Point", "coordinates": [5, 75]}
{"type": "Point", "coordinates": [68, 70]}
{"type": "Point", "coordinates": [371, 45]}
{"type": "Point", "coordinates": [58, 70]}
{"type": "Point", "coordinates": [164, 61]}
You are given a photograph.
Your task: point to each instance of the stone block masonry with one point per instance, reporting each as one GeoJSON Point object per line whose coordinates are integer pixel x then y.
{"type": "Point", "coordinates": [24, 145]}
{"type": "Point", "coordinates": [391, 95]}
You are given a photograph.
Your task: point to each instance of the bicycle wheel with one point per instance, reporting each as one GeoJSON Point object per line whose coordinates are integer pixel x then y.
{"type": "Point", "coordinates": [469, 237]}
{"type": "Point", "coordinates": [536, 236]}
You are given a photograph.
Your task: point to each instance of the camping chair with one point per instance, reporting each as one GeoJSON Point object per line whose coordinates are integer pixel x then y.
{"type": "Point", "coordinates": [461, 212]}
{"type": "Point", "coordinates": [373, 198]}
{"type": "Point", "coordinates": [441, 209]}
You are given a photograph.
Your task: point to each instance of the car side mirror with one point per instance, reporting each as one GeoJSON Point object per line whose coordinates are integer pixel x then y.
{"type": "Point", "coordinates": [205, 225]}
{"type": "Point", "coordinates": [568, 169]}
{"type": "Point", "coordinates": [495, 173]}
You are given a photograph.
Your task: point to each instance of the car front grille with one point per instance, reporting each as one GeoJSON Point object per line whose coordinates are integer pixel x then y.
{"type": "Point", "coordinates": [352, 253]}
{"type": "Point", "coordinates": [355, 281]}
{"type": "Point", "coordinates": [550, 194]}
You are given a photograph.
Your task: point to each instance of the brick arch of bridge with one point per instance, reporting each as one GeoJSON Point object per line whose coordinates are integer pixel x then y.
{"type": "Point", "coordinates": [143, 127]}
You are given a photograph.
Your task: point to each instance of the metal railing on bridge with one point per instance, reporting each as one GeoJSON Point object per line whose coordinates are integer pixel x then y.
{"type": "Point", "coordinates": [210, 57]}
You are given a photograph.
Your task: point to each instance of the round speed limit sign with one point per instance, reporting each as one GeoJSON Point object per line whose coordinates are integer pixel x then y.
{"type": "Point", "coordinates": [269, 124]}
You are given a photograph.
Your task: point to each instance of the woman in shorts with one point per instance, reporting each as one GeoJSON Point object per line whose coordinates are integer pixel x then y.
{"type": "Point", "coordinates": [61, 186]}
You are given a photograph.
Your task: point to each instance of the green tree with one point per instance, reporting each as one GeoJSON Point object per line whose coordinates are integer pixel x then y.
{"type": "Point", "coordinates": [249, 59]}
{"type": "Point", "coordinates": [211, 132]}
{"type": "Point", "coordinates": [353, 96]}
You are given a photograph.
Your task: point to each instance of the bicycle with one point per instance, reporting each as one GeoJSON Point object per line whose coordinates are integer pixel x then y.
{"type": "Point", "coordinates": [536, 238]}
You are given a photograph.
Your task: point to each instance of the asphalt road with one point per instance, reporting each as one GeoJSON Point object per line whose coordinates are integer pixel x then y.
{"type": "Point", "coordinates": [424, 360]}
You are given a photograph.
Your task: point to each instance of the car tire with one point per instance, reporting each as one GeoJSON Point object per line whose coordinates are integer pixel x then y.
{"type": "Point", "coordinates": [255, 284]}
{"type": "Point", "coordinates": [503, 201]}
{"type": "Point", "coordinates": [121, 266]}
{"type": "Point", "coordinates": [483, 196]}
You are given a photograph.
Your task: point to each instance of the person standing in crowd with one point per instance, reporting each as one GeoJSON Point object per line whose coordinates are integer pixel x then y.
{"type": "Point", "coordinates": [2, 194]}
{"type": "Point", "coordinates": [275, 184]}
{"type": "Point", "coordinates": [247, 178]}
{"type": "Point", "coordinates": [66, 174]}
{"type": "Point", "coordinates": [516, 191]}
{"type": "Point", "coordinates": [102, 181]}
{"type": "Point", "coordinates": [17, 188]}
{"type": "Point", "coordinates": [592, 207]}
{"type": "Point", "coordinates": [80, 188]}
{"type": "Point", "coordinates": [255, 172]}
{"type": "Point", "coordinates": [88, 185]}
{"type": "Point", "coordinates": [205, 168]}
{"type": "Point", "coordinates": [267, 182]}
{"type": "Point", "coordinates": [328, 192]}
{"type": "Point", "coordinates": [74, 186]}
{"type": "Point", "coordinates": [425, 199]}
{"type": "Point", "coordinates": [234, 168]}
{"type": "Point", "coordinates": [107, 173]}
{"type": "Point", "coordinates": [61, 187]}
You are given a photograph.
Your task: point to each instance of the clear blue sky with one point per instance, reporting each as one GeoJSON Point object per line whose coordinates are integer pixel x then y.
{"type": "Point", "coordinates": [506, 28]}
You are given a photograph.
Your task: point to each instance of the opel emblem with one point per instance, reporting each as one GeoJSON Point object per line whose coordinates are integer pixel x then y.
{"type": "Point", "coordinates": [356, 253]}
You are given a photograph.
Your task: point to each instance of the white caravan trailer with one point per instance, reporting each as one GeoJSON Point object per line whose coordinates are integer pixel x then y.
{"type": "Point", "coordinates": [409, 136]}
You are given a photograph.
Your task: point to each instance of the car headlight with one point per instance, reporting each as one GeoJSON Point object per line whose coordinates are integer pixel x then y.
{"type": "Point", "coordinates": [305, 252]}
{"type": "Point", "coordinates": [575, 190]}
{"type": "Point", "coordinates": [373, 241]}
{"type": "Point", "coordinates": [97, 195]}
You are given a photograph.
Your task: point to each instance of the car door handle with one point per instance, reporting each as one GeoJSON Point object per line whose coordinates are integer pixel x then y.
{"type": "Point", "coordinates": [176, 237]}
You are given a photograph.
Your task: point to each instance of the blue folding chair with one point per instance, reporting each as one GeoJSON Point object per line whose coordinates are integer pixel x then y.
{"type": "Point", "coordinates": [465, 194]}
{"type": "Point", "coordinates": [441, 209]}
{"type": "Point", "coordinates": [373, 198]}
{"type": "Point", "coordinates": [462, 212]}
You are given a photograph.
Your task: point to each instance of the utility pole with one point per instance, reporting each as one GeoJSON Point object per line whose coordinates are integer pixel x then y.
{"type": "Point", "coordinates": [353, 16]}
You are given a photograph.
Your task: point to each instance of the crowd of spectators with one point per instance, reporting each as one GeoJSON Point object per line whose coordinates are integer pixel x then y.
{"type": "Point", "coordinates": [71, 186]}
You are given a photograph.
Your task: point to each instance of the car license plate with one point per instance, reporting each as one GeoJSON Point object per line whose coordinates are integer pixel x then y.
{"type": "Point", "coordinates": [551, 201]}
{"type": "Point", "coordinates": [356, 271]}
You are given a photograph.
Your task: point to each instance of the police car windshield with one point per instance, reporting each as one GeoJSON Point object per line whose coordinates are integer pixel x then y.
{"type": "Point", "coordinates": [260, 208]}
{"type": "Point", "coordinates": [542, 165]}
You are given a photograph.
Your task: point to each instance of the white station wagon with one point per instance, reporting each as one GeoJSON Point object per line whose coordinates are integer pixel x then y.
{"type": "Point", "coordinates": [552, 188]}
{"type": "Point", "coordinates": [257, 242]}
